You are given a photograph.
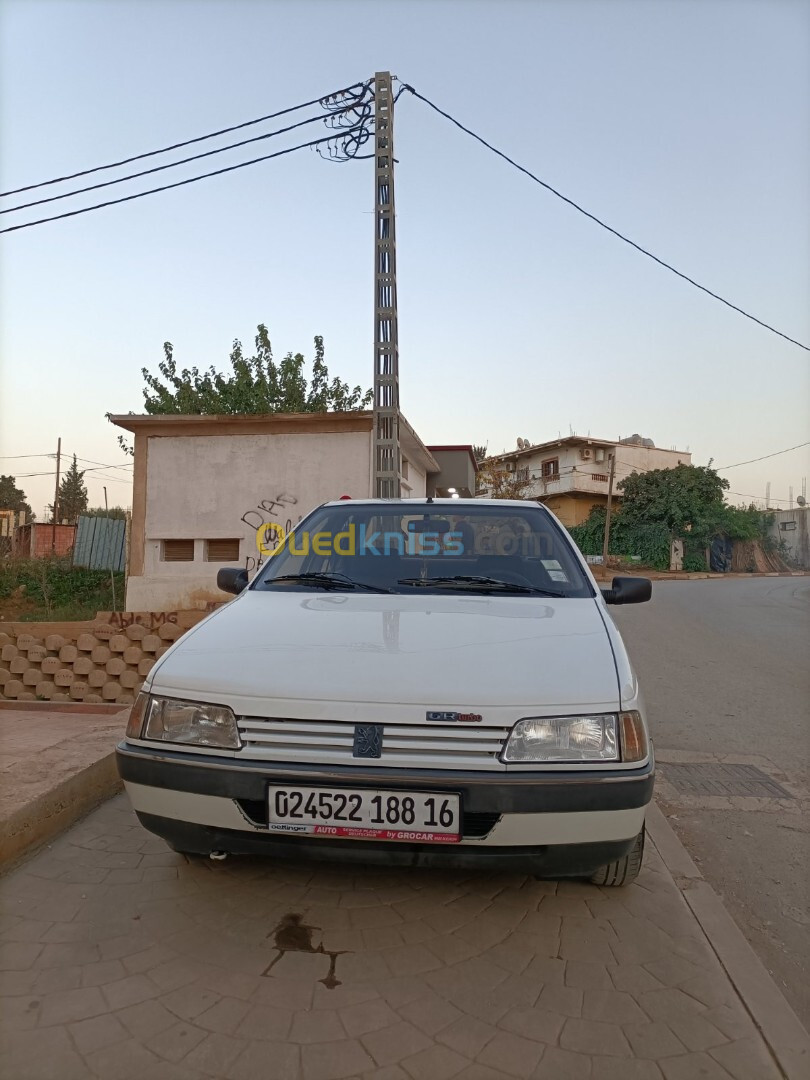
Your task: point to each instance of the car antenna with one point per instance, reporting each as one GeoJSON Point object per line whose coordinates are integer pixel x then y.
{"type": "Point", "coordinates": [429, 499]}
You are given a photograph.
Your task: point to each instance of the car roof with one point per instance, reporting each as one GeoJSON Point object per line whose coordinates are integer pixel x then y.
{"type": "Point", "coordinates": [522, 503]}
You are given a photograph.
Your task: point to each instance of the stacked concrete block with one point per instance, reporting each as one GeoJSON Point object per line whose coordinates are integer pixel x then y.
{"type": "Point", "coordinates": [90, 662]}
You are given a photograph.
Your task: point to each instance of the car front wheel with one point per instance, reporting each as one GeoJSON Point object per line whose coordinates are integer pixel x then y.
{"type": "Point", "coordinates": [622, 871]}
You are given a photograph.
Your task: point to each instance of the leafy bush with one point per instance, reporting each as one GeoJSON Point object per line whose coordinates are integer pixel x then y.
{"type": "Point", "coordinates": [58, 589]}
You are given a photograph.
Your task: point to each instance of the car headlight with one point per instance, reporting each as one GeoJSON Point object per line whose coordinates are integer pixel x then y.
{"type": "Point", "coordinates": [192, 723]}
{"type": "Point", "coordinates": [598, 737]}
{"type": "Point", "coordinates": [564, 738]}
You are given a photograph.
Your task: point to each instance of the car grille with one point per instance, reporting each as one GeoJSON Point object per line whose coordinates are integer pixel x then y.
{"type": "Point", "coordinates": [474, 825]}
{"type": "Point", "coordinates": [434, 746]}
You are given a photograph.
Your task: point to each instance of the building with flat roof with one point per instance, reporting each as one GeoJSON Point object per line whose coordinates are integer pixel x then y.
{"type": "Point", "coordinates": [213, 491]}
{"type": "Point", "coordinates": [571, 475]}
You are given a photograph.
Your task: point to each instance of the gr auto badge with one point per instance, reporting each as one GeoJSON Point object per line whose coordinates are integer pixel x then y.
{"type": "Point", "coordinates": [454, 717]}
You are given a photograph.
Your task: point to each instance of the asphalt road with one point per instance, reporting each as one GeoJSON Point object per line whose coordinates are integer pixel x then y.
{"type": "Point", "coordinates": [725, 673]}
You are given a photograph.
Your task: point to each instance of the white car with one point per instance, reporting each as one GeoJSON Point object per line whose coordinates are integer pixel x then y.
{"type": "Point", "coordinates": [424, 682]}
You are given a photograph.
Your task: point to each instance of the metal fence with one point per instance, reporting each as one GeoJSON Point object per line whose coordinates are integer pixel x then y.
{"type": "Point", "coordinates": [100, 543]}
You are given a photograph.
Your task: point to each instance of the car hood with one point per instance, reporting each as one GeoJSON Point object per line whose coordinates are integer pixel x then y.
{"type": "Point", "coordinates": [438, 651]}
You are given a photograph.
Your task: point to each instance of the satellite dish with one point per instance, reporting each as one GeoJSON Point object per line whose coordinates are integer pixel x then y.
{"type": "Point", "coordinates": [800, 499]}
{"type": "Point", "coordinates": [521, 444]}
{"type": "Point", "coordinates": [526, 444]}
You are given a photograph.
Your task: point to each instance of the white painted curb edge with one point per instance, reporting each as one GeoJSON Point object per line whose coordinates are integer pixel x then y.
{"type": "Point", "coordinates": [778, 1024]}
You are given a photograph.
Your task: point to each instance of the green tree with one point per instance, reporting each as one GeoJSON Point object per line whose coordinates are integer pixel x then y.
{"type": "Point", "coordinates": [479, 453]}
{"type": "Point", "coordinates": [102, 511]}
{"type": "Point", "coordinates": [687, 502]}
{"type": "Point", "coordinates": [12, 497]}
{"type": "Point", "coordinates": [495, 481]}
{"type": "Point", "coordinates": [72, 495]}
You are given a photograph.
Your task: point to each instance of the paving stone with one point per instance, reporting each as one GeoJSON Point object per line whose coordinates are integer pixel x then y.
{"type": "Point", "coordinates": [669, 1003]}
{"type": "Point", "coordinates": [394, 1043]}
{"type": "Point", "coordinates": [131, 990]}
{"type": "Point", "coordinates": [467, 1036]}
{"type": "Point", "coordinates": [147, 1019]}
{"type": "Point", "coordinates": [559, 1064]}
{"type": "Point", "coordinates": [585, 975]}
{"type": "Point", "coordinates": [127, 1060]}
{"type": "Point", "coordinates": [175, 1042]}
{"type": "Point", "coordinates": [189, 1001]}
{"type": "Point", "coordinates": [52, 980]}
{"type": "Point", "coordinates": [747, 1059]}
{"type": "Point", "coordinates": [224, 1017]}
{"type": "Point", "coordinates": [334, 1061]}
{"type": "Point", "coordinates": [696, 1032]}
{"type": "Point", "coordinates": [653, 1040]}
{"type": "Point", "coordinates": [437, 1063]}
{"type": "Point", "coordinates": [266, 1060]}
{"type": "Point", "coordinates": [594, 1037]}
{"type": "Point", "coordinates": [68, 1006]}
{"type": "Point", "coordinates": [547, 970]}
{"type": "Point", "coordinates": [98, 1032]}
{"type": "Point", "coordinates": [534, 1023]}
{"type": "Point", "coordinates": [19, 1013]}
{"type": "Point", "coordinates": [693, 1067]}
{"type": "Point", "coordinates": [673, 970]}
{"type": "Point", "coordinates": [734, 1022]}
{"type": "Point", "coordinates": [430, 1013]}
{"type": "Point", "coordinates": [632, 978]}
{"type": "Point", "coordinates": [264, 1022]}
{"type": "Point", "coordinates": [561, 999]}
{"type": "Point", "coordinates": [215, 1054]}
{"type": "Point", "coordinates": [511, 1054]}
{"type": "Point", "coordinates": [316, 1027]}
{"type": "Point", "coordinates": [605, 1068]}
{"type": "Point", "coordinates": [19, 955]}
{"type": "Point", "coordinates": [612, 1006]}
{"type": "Point", "coordinates": [41, 1055]}
{"type": "Point", "coordinates": [367, 1016]}
{"type": "Point", "coordinates": [411, 960]}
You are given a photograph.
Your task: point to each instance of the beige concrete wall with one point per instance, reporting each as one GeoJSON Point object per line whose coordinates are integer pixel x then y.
{"type": "Point", "coordinates": [209, 487]}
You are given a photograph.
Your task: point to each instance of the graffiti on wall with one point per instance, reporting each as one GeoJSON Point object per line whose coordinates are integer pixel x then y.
{"type": "Point", "coordinates": [271, 520]}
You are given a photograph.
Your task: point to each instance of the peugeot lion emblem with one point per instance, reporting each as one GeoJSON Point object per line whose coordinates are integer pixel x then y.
{"type": "Point", "coordinates": [367, 740]}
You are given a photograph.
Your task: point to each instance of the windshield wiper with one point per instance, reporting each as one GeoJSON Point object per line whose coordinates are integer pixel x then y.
{"type": "Point", "coordinates": [327, 581]}
{"type": "Point", "coordinates": [477, 581]}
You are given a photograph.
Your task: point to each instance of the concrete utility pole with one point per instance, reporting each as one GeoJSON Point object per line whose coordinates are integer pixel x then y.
{"type": "Point", "coordinates": [387, 459]}
{"type": "Point", "coordinates": [607, 515]}
{"type": "Point", "coordinates": [56, 496]}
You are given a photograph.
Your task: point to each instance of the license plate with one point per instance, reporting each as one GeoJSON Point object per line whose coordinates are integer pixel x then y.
{"type": "Point", "coordinates": [415, 816]}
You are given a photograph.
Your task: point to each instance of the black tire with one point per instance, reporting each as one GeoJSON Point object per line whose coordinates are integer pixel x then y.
{"type": "Point", "coordinates": [622, 871]}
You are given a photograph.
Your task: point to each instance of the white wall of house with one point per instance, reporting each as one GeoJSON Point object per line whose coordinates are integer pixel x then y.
{"type": "Point", "coordinates": [225, 487]}
{"type": "Point", "coordinates": [586, 468]}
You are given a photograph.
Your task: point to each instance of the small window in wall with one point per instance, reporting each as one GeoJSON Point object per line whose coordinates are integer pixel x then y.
{"type": "Point", "coordinates": [404, 469]}
{"type": "Point", "coordinates": [178, 551]}
{"type": "Point", "coordinates": [550, 469]}
{"type": "Point", "coordinates": [222, 551]}
{"type": "Point", "coordinates": [786, 526]}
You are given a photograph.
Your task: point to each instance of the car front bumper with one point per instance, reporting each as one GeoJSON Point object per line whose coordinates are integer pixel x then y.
{"type": "Point", "coordinates": [548, 823]}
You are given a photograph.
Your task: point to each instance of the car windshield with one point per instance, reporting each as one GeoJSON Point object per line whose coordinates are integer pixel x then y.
{"type": "Point", "coordinates": [418, 547]}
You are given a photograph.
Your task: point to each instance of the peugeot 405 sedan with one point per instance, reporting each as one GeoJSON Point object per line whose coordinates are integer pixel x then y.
{"type": "Point", "coordinates": [422, 682]}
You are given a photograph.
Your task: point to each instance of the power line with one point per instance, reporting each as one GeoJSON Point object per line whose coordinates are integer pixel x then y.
{"type": "Point", "coordinates": [181, 183]}
{"type": "Point", "coordinates": [174, 164]}
{"type": "Point", "coordinates": [603, 224]}
{"type": "Point", "coordinates": [179, 145]}
{"type": "Point", "coordinates": [776, 453]}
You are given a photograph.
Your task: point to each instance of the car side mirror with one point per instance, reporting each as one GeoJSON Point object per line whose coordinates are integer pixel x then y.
{"type": "Point", "coordinates": [628, 590]}
{"type": "Point", "coordinates": [232, 579]}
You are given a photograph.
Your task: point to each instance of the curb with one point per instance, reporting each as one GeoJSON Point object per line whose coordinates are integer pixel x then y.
{"type": "Point", "coordinates": [36, 822]}
{"type": "Point", "coordinates": [776, 1021]}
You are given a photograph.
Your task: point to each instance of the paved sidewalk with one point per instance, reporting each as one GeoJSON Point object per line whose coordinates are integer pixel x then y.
{"type": "Point", "coordinates": [121, 959]}
{"type": "Point", "coordinates": [56, 763]}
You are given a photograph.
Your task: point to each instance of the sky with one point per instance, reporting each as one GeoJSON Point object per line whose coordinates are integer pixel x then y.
{"type": "Point", "coordinates": [685, 125]}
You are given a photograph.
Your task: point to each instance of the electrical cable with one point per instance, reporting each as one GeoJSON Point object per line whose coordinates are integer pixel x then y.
{"type": "Point", "coordinates": [751, 461]}
{"type": "Point", "coordinates": [173, 164]}
{"type": "Point", "coordinates": [603, 224]}
{"type": "Point", "coordinates": [186, 142]}
{"type": "Point", "coordinates": [181, 183]}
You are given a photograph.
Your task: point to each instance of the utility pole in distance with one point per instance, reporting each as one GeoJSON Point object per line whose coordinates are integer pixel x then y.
{"type": "Point", "coordinates": [56, 496]}
{"type": "Point", "coordinates": [387, 461]}
{"type": "Point", "coordinates": [607, 515]}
